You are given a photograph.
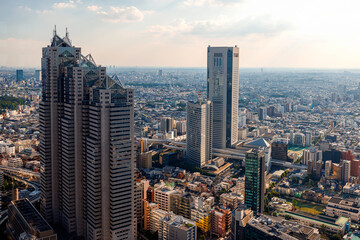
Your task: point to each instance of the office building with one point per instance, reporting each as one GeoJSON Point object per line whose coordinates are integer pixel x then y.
{"type": "Point", "coordinates": [262, 113]}
{"type": "Point", "coordinates": [223, 91]}
{"type": "Point", "coordinates": [199, 133]}
{"type": "Point", "coordinates": [167, 124]}
{"type": "Point", "coordinates": [86, 146]}
{"type": "Point", "coordinates": [19, 75]}
{"type": "Point", "coordinates": [266, 227]}
{"type": "Point", "coordinates": [181, 127]}
{"type": "Point", "coordinates": [25, 222]}
{"type": "Point", "coordinates": [38, 75]}
{"type": "Point", "coordinates": [239, 219]}
{"type": "Point", "coordinates": [279, 149]}
{"type": "Point", "coordinates": [242, 118]}
{"type": "Point", "coordinates": [255, 180]}
{"type": "Point", "coordinates": [343, 207]}
{"type": "Point", "coordinates": [146, 160]}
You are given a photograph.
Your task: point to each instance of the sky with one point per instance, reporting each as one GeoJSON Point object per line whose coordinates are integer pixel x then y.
{"type": "Point", "coordinates": [176, 33]}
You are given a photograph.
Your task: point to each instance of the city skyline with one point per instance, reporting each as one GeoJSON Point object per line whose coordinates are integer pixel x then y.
{"type": "Point", "coordinates": [277, 34]}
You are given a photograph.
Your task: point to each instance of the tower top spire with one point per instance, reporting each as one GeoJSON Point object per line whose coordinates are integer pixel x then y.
{"type": "Point", "coordinates": [67, 33]}
{"type": "Point", "coordinates": [54, 30]}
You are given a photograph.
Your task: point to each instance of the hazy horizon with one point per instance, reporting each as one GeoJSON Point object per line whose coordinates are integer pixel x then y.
{"type": "Point", "coordinates": [141, 33]}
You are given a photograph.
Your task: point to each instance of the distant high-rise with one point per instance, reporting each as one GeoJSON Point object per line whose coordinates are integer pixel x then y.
{"type": "Point", "coordinates": [255, 180]}
{"type": "Point", "coordinates": [279, 149]}
{"type": "Point", "coordinates": [199, 133]}
{"type": "Point", "coordinates": [262, 113]}
{"type": "Point", "coordinates": [308, 138]}
{"type": "Point", "coordinates": [19, 75]}
{"type": "Point", "coordinates": [86, 146]}
{"type": "Point", "coordinates": [38, 75]}
{"type": "Point", "coordinates": [328, 168]}
{"type": "Point", "coordinates": [167, 124]}
{"type": "Point", "coordinates": [223, 91]}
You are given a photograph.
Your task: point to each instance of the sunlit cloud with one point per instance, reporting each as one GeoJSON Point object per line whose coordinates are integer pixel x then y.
{"type": "Point", "coordinates": [119, 14]}
{"type": "Point", "coordinates": [69, 4]}
{"type": "Point", "coordinates": [219, 29]}
{"type": "Point", "coordinates": [212, 3]}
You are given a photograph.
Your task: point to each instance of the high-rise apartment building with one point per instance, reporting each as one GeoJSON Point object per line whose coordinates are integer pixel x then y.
{"type": "Point", "coordinates": [328, 168]}
{"type": "Point", "coordinates": [199, 133]}
{"type": "Point", "coordinates": [308, 138]}
{"type": "Point", "coordinates": [255, 180]}
{"type": "Point", "coordinates": [346, 170]}
{"type": "Point", "coordinates": [223, 91]}
{"type": "Point", "coordinates": [87, 146]}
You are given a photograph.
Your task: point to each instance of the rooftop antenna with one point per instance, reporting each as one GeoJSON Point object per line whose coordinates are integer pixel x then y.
{"type": "Point", "coordinates": [54, 30]}
{"type": "Point", "coordinates": [67, 33]}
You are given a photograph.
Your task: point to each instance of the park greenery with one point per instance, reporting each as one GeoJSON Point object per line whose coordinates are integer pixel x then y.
{"type": "Point", "coordinates": [11, 103]}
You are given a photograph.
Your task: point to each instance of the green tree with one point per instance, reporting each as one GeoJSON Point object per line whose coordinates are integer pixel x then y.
{"type": "Point", "coordinates": [294, 203]}
{"type": "Point", "coordinates": [335, 237]}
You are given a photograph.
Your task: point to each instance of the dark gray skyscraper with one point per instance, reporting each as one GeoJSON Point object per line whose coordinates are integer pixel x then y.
{"type": "Point", "coordinates": [223, 91]}
{"type": "Point", "coordinates": [255, 180]}
{"type": "Point", "coordinates": [87, 142]}
{"type": "Point", "coordinates": [19, 75]}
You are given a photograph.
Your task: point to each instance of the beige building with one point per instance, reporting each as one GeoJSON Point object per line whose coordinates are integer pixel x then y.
{"type": "Point", "coordinates": [148, 208]}
{"type": "Point", "coordinates": [162, 197]}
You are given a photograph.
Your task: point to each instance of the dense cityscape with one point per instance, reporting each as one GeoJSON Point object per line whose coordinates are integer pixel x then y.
{"type": "Point", "coordinates": [93, 152]}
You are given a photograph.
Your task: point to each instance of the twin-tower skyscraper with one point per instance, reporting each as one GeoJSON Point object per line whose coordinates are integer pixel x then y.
{"type": "Point", "coordinates": [214, 123]}
{"type": "Point", "coordinates": [86, 146]}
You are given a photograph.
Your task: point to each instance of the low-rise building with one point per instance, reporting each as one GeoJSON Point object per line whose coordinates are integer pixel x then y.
{"type": "Point", "coordinates": [347, 207]}
{"type": "Point", "coordinates": [25, 222]}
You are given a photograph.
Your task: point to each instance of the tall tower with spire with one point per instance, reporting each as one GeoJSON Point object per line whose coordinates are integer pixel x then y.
{"type": "Point", "coordinates": [86, 149]}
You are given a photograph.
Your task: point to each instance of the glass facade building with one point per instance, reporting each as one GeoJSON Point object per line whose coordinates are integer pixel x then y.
{"type": "Point", "coordinates": [255, 180]}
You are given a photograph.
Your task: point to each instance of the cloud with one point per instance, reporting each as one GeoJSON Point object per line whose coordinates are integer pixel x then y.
{"type": "Point", "coordinates": [222, 28]}
{"type": "Point", "coordinates": [69, 4]}
{"type": "Point", "coordinates": [36, 11]}
{"type": "Point", "coordinates": [25, 8]}
{"type": "Point", "coordinates": [212, 3]}
{"type": "Point", "coordinates": [118, 14]}
{"type": "Point", "coordinates": [94, 8]}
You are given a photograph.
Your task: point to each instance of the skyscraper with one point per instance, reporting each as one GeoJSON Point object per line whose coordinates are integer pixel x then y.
{"type": "Point", "coordinates": [255, 180]}
{"type": "Point", "coordinates": [199, 133]}
{"type": "Point", "coordinates": [19, 75]}
{"type": "Point", "coordinates": [87, 139]}
{"type": "Point", "coordinates": [38, 75]}
{"type": "Point", "coordinates": [223, 91]}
